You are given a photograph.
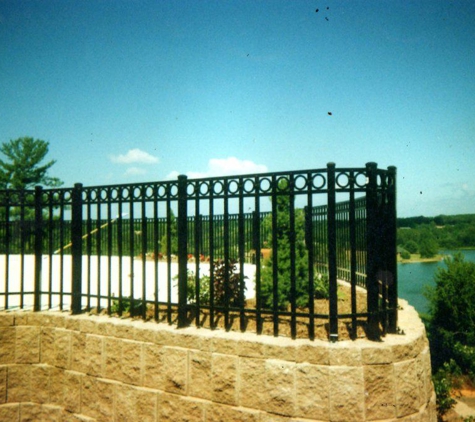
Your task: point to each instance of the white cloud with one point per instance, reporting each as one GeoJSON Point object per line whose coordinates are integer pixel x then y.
{"type": "Point", "coordinates": [230, 166]}
{"type": "Point", "coordinates": [134, 156]}
{"type": "Point", "coordinates": [135, 171]}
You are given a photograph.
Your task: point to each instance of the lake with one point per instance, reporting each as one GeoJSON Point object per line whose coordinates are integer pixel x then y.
{"type": "Point", "coordinates": [413, 277]}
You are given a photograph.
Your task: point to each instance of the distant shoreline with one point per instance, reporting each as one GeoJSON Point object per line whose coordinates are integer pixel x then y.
{"type": "Point", "coordinates": [416, 259]}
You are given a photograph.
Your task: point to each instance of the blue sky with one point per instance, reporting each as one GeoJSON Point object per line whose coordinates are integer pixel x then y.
{"type": "Point", "coordinates": [132, 91]}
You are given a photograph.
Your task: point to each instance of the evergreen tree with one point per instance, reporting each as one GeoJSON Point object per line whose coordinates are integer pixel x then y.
{"type": "Point", "coordinates": [284, 237]}
{"type": "Point", "coordinates": [22, 168]}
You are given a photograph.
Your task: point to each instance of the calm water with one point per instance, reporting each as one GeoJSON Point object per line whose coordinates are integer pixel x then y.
{"type": "Point", "coordinates": [413, 278]}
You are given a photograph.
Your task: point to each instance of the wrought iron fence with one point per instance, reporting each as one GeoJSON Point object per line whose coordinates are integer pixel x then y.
{"type": "Point", "coordinates": [229, 251]}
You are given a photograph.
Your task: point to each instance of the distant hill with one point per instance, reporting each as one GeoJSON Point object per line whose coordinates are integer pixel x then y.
{"type": "Point", "coordinates": [440, 220]}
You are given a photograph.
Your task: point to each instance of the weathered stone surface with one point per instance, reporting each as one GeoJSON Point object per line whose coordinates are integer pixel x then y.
{"type": "Point", "coordinates": [40, 384]}
{"type": "Point", "coordinates": [174, 370]}
{"type": "Point", "coordinates": [280, 391]}
{"type": "Point", "coordinates": [135, 404]}
{"type": "Point", "coordinates": [379, 392]}
{"type": "Point", "coordinates": [344, 353]}
{"type": "Point", "coordinates": [10, 412]}
{"type": "Point", "coordinates": [408, 394]}
{"type": "Point", "coordinates": [131, 362]}
{"type": "Point", "coordinates": [220, 413]}
{"type": "Point", "coordinates": [87, 354]}
{"type": "Point", "coordinates": [316, 353]}
{"type": "Point", "coordinates": [311, 391]}
{"type": "Point", "coordinates": [7, 320]}
{"type": "Point", "coordinates": [200, 375]}
{"type": "Point", "coordinates": [47, 338]}
{"type": "Point", "coordinates": [112, 358]}
{"type": "Point", "coordinates": [36, 412]}
{"type": "Point", "coordinates": [72, 385]}
{"type": "Point", "coordinates": [346, 394]}
{"type": "Point", "coordinates": [27, 345]}
{"type": "Point", "coordinates": [3, 384]}
{"type": "Point", "coordinates": [18, 383]}
{"type": "Point", "coordinates": [7, 344]}
{"type": "Point", "coordinates": [62, 348]}
{"type": "Point", "coordinates": [97, 399]}
{"type": "Point", "coordinates": [376, 354]}
{"type": "Point", "coordinates": [252, 383]}
{"type": "Point", "coordinates": [172, 408]}
{"type": "Point", "coordinates": [224, 377]}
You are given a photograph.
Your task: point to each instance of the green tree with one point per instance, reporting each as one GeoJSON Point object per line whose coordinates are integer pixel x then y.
{"type": "Point", "coordinates": [411, 246]}
{"type": "Point", "coordinates": [428, 246]}
{"type": "Point", "coordinates": [23, 167]}
{"type": "Point", "coordinates": [284, 237]}
{"type": "Point", "coordinates": [451, 326]}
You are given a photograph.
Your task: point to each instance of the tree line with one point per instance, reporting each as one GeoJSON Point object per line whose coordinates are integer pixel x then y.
{"type": "Point", "coordinates": [427, 235]}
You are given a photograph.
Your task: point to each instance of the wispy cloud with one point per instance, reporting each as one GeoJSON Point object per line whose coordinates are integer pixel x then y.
{"type": "Point", "coordinates": [135, 171]}
{"type": "Point", "coordinates": [135, 155]}
{"type": "Point", "coordinates": [224, 167]}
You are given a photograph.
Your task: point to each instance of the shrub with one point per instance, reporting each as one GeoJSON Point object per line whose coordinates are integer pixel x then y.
{"type": "Point", "coordinates": [411, 246]}
{"type": "Point", "coordinates": [129, 305]}
{"type": "Point", "coordinates": [219, 285]}
{"type": "Point", "coordinates": [322, 286]}
{"type": "Point", "coordinates": [405, 255]}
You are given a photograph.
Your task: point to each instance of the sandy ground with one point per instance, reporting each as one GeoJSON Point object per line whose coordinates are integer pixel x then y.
{"type": "Point", "coordinates": [134, 273]}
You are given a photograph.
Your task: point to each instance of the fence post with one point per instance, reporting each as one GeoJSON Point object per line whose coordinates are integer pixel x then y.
{"type": "Point", "coordinates": [76, 248]}
{"type": "Point", "coordinates": [372, 259]}
{"type": "Point", "coordinates": [392, 248]}
{"type": "Point", "coordinates": [332, 264]}
{"type": "Point", "coordinates": [182, 251]}
{"type": "Point", "coordinates": [38, 246]}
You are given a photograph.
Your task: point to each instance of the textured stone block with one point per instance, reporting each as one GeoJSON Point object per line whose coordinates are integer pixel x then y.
{"type": "Point", "coordinates": [172, 408]}
{"type": "Point", "coordinates": [316, 353]}
{"type": "Point", "coordinates": [123, 360]}
{"type": "Point", "coordinates": [18, 383]}
{"type": "Point", "coordinates": [408, 394]}
{"type": "Point", "coordinates": [174, 370]}
{"type": "Point", "coordinates": [62, 348]}
{"type": "Point", "coordinates": [6, 320]}
{"type": "Point", "coordinates": [376, 355]}
{"type": "Point", "coordinates": [3, 384]}
{"type": "Point", "coordinates": [47, 337]}
{"type": "Point", "coordinates": [135, 404]}
{"type": "Point", "coordinates": [346, 394]}
{"type": "Point", "coordinates": [7, 345]}
{"type": "Point", "coordinates": [280, 387]}
{"type": "Point", "coordinates": [97, 399]}
{"type": "Point", "coordinates": [220, 413]}
{"type": "Point", "coordinates": [380, 392]}
{"type": "Point", "coordinates": [224, 377]}
{"type": "Point", "coordinates": [72, 385]}
{"type": "Point", "coordinates": [200, 375]}
{"type": "Point", "coordinates": [345, 353]}
{"type": "Point", "coordinates": [37, 412]}
{"type": "Point", "coordinates": [27, 345]}
{"type": "Point", "coordinates": [87, 354]}
{"type": "Point", "coordinates": [252, 383]}
{"type": "Point", "coordinates": [153, 367]}
{"type": "Point", "coordinates": [40, 384]}
{"type": "Point", "coordinates": [10, 412]}
{"type": "Point", "coordinates": [311, 391]}
{"type": "Point", "coordinates": [112, 358]}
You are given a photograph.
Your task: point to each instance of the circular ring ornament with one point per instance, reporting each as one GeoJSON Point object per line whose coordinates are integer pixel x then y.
{"type": "Point", "coordinates": [218, 187]}
{"type": "Point", "coordinates": [204, 188]}
{"type": "Point", "coordinates": [319, 181]}
{"type": "Point", "coordinates": [343, 180]}
{"type": "Point", "coordinates": [265, 185]}
{"type": "Point", "coordinates": [286, 185]}
{"type": "Point", "coordinates": [233, 186]}
{"type": "Point", "coordinates": [161, 191]}
{"type": "Point", "coordinates": [249, 186]}
{"type": "Point", "coordinates": [173, 189]}
{"type": "Point", "coordinates": [191, 188]}
{"type": "Point", "coordinates": [301, 182]}
{"type": "Point", "coordinates": [360, 179]}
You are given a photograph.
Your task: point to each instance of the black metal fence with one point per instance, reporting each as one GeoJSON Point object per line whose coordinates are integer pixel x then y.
{"type": "Point", "coordinates": [261, 248]}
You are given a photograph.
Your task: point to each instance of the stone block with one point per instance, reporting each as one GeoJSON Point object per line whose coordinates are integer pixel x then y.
{"type": "Point", "coordinates": [37, 412]}
{"type": "Point", "coordinates": [97, 399]}
{"type": "Point", "coordinates": [56, 387]}
{"type": "Point", "coordinates": [153, 366]}
{"type": "Point", "coordinates": [311, 391]}
{"type": "Point", "coordinates": [135, 404]}
{"type": "Point", "coordinates": [92, 356]}
{"type": "Point", "coordinates": [347, 396]}
{"type": "Point", "coordinates": [72, 385]}
{"type": "Point", "coordinates": [224, 378]}
{"type": "Point", "coordinates": [380, 397]}
{"type": "Point", "coordinates": [6, 319]}
{"type": "Point", "coordinates": [21, 318]}
{"type": "Point", "coordinates": [10, 412]}
{"type": "Point", "coordinates": [174, 370]}
{"type": "Point", "coordinates": [252, 383]}
{"type": "Point", "coordinates": [18, 383]}
{"type": "Point", "coordinates": [3, 384]}
{"type": "Point", "coordinates": [7, 345]}
{"type": "Point", "coordinates": [345, 353]}
{"type": "Point", "coordinates": [280, 387]}
{"type": "Point", "coordinates": [27, 344]}
{"type": "Point", "coordinates": [220, 413]}
{"type": "Point", "coordinates": [200, 375]}
{"type": "Point", "coordinates": [316, 353]}
{"type": "Point", "coordinates": [40, 384]}
{"type": "Point", "coordinates": [376, 355]}
{"type": "Point", "coordinates": [112, 358]}
{"type": "Point", "coordinates": [131, 362]}
{"type": "Point", "coordinates": [408, 394]}
{"type": "Point", "coordinates": [62, 348]}
{"type": "Point", "coordinates": [47, 336]}
{"type": "Point", "coordinates": [172, 408]}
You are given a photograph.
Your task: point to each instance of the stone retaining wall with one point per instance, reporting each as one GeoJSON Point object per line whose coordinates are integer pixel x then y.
{"type": "Point", "coordinates": [54, 366]}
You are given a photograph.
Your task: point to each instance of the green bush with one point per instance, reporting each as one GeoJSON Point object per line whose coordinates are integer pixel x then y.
{"type": "Point", "coordinates": [322, 286]}
{"type": "Point", "coordinates": [133, 307]}
{"type": "Point", "coordinates": [219, 285]}
{"type": "Point", "coordinates": [411, 246]}
{"type": "Point", "coordinates": [405, 255]}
